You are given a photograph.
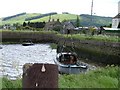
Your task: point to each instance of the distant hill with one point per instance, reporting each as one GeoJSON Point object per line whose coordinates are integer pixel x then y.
{"type": "Point", "coordinates": [96, 20]}
{"type": "Point", "coordinates": [85, 20]}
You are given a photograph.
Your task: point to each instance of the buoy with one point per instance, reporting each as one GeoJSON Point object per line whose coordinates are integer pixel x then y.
{"type": "Point", "coordinates": [43, 68]}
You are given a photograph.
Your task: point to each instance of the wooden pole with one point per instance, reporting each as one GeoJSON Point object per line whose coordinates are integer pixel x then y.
{"type": "Point", "coordinates": [40, 76]}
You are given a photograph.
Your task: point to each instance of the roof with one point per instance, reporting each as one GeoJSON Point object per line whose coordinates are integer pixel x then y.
{"type": "Point", "coordinates": [68, 25]}
{"type": "Point", "coordinates": [117, 16]}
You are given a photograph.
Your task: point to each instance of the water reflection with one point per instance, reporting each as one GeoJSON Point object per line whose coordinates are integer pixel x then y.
{"type": "Point", "coordinates": [13, 57]}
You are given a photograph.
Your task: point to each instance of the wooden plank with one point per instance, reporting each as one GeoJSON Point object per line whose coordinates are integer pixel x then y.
{"type": "Point", "coordinates": [40, 76]}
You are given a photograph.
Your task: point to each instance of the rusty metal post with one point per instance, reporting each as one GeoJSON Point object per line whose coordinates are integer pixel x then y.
{"type": "Point", "coordinates": [40, 76]}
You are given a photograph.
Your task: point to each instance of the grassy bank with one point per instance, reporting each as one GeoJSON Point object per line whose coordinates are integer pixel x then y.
{"type": "Point", "coordinates": [6, 83]}
{"type": "Point", "coordinates": [25, 34]}
{"type": "Point", "coordinates": [106, 77]}
{"type": "Point", "coordinates": [100, 78]}
{"type": "Point", "coordinates": [104, 38]}
{"type": "Point", "coordinates": [35, 36]}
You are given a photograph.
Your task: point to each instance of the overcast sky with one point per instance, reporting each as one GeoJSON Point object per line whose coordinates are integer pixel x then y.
{"type": "Point", "coordinates": [100, 7]}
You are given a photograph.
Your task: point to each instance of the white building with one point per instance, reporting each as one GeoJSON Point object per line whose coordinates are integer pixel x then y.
{"type": "Point", "coordinates": [116, 19]}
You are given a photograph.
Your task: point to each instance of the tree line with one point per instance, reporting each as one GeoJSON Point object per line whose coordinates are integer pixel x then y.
{"type": "Point", "coordinates": [7, 18]}
{"type": "Point", "coordinates": [34, 24]}
{"type": "Point", "coordinates": [40, 16]}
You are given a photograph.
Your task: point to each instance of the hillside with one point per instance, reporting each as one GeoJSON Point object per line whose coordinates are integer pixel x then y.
{"type": "Point", "coordinates": [61, 17]}
{"type": "Point", "coordinates": [84, 19]}
{"type": "Point", "coordinates": [96, 20]}
{"type": "Point", "coordinates": [21, 19]}
{"type": "Point", "coordinates": [18, 19]}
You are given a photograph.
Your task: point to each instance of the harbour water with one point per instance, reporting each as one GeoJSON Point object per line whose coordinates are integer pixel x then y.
{"type": "Point", "coordinates": [14, 56]}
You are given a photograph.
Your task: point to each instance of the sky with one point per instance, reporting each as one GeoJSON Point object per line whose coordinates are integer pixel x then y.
{"type": "Point", "coordinates": [108, 8]}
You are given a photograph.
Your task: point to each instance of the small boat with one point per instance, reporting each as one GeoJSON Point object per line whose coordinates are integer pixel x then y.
{"type": "Point", "coordinates": [68, 63]}
{"type": "Point", "coordinates": [0, 47]}
{"type": "Point", "coordinates": [27, 44]}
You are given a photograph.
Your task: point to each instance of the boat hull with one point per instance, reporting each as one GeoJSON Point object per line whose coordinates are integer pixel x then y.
{"type": "Point", "coordinates": [27, 44]}
{"type": "Point", "coordinates": [71, 69]}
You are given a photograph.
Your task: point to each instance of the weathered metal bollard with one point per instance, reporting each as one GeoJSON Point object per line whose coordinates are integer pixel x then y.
{"type": "Point", "coordinates": [40, 76]}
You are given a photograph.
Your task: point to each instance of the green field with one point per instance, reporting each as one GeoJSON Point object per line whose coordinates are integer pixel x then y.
{"type": "Point", "coordinates": [21, 19]}
{"type": "Point", "coordinates": [61, 17]}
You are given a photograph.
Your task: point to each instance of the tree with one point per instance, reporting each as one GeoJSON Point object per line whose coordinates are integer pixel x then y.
{"type": "Point", "coordinates": [24, 24]}
{"type": "Point", "coordinates": [77, 21]}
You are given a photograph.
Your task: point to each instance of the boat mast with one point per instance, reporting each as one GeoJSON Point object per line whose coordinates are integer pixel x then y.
{"type": "Point", "coordinates": [91, 10]}
{"type": "Point", "coordinates": [49, 18]}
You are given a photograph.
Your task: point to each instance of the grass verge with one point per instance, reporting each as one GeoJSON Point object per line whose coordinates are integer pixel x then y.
{"type": "Point", "coordinates": [33, 34]}
{"type": "Point", "coordinates": [106, 77]}
{"type": "Point", "coordinates": [105, 38]}
{"type": "Point", "coordinates": [100, 78]}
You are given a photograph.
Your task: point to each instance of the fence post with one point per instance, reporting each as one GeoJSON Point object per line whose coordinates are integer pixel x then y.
{"type": "Point", "coordinates": [40, 76]}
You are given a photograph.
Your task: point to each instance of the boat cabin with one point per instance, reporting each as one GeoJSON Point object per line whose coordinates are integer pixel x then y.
{"type": "Point", "coordinates": [67, 58]}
